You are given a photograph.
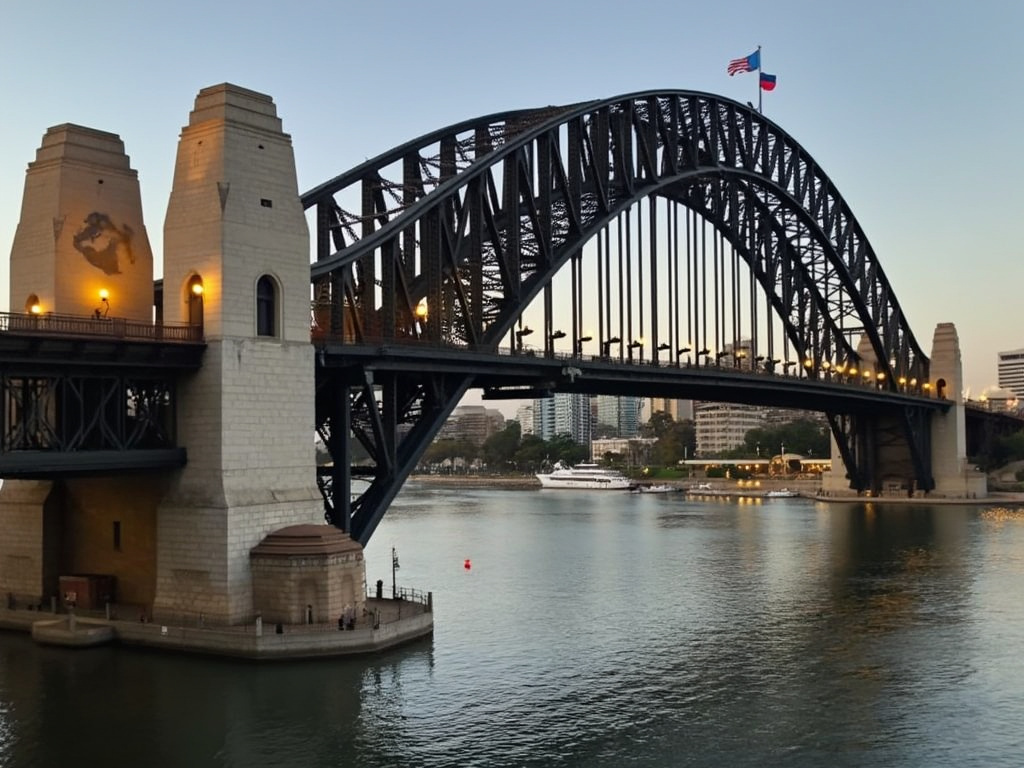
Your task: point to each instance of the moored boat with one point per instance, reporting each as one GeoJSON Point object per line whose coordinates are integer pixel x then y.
{"type": "Point", "coordinates": [660, 488]}
{"type": "Point", "coordinates": [781, 493]}
{"type": "Point", "coordinates": [584, 476]}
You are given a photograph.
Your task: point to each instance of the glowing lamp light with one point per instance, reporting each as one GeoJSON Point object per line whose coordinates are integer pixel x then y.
{"type": "Point", "coordinates": [35, 309]}
{"type": "Point", "coordinates": [197, 289]}
{"type": "Point", "coordinates": [104, 294]}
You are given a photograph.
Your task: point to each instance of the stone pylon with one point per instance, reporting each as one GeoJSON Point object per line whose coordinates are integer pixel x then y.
{"type": "Point", "coordinates": [80, 248]}
{"type": "Point", "coordinates": [953, 476]}
{"type": "Point", "coordinates": [236, 244]}
{"type": "Point", "coordinates": [81, 231]}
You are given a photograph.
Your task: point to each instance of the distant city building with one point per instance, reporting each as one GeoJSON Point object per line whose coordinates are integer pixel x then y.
{"type": "Point", "coordinates": [473, 423]}
{"type": "Point", "coordinates": [566, 413]}
{"type": "Point", "coordinates": [724, 426]}
{"type": "Point", "coordinates": [635, 451]}
{"type": "Point", "coordinates": [524, 415]}
{"type": "Point", "coordinates": [679, 410]}
{"type": "Point", "coordinates": [619, 414]}
{"type": "Point", "coordinates": [1011, 371]}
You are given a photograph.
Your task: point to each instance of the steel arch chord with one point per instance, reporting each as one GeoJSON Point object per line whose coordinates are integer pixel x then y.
{"type": "Point", "coordinates": [694, 229]}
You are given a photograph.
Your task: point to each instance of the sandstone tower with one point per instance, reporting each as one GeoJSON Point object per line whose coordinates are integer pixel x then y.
{"type": "Point", "coordinates": [236, 258]}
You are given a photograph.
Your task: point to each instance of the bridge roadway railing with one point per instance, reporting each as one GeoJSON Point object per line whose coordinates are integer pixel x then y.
{"type": "Point", "coordinates": [86, 326]}
{"type": "Point", "coordinates": [503, 357]}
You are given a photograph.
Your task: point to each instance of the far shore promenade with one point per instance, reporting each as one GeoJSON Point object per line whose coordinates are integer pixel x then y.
{"type": "Point", "coordinates": [720, 487]}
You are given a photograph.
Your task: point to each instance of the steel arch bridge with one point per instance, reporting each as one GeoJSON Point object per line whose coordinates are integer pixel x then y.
{"type": "Point", "coordinates": [695, 243]}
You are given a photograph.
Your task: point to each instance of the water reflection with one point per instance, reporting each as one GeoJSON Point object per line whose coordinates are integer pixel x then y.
{"type": "Point", "coordinates": [599, 630]}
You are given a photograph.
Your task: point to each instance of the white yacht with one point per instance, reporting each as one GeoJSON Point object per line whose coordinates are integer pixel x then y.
{"type": "Point", "coordinates": [584, 476]}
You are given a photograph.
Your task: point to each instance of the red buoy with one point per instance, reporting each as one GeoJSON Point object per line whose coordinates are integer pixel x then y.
{"type": "Point", "coordinates": [467, 564]}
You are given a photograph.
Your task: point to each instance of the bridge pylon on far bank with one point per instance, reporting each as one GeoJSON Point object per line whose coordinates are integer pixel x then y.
{"type": "Point", "coordinates": [883, 459]}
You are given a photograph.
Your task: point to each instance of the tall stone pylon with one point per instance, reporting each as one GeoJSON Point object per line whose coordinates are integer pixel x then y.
{"type": "Point", "coordinates": [236, 258]}
{"type": "Point", "coordinates": [953, 476]}
{"type": "Point", "coordinates": [81, 247]}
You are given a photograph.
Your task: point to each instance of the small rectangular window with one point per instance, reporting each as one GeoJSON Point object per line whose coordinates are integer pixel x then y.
{"type": "Point", "coordinates": [266, 203]}
{"type": "Point", "coordinates": [117, 535]}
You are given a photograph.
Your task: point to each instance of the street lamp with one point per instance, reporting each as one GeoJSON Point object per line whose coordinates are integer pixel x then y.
{"type": "Point", "coordinates": [607, 344]}
{"type": "Point", "coordinates": [636, 344]}
{"type": "Point", "coordinates": [558, 335]}
{"type": "Point", "coordinates": [580, 342]}
{"type": "Point", "coordinates": [520, 334]}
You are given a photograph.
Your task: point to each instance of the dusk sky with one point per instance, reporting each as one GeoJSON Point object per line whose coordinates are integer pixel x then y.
{"type": "Point", "coordinates": [913, 109]}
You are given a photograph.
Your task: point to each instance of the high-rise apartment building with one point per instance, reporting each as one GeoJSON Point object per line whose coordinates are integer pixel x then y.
{"type": "Point", "coordinates": [473, 423]}
{"type": "Point", "coordinates": [724, 426]}
{"type": "Point", "coordinates": [566, 413]}
{"type": "Point", "coordinates": [1011, 371]}
{"type": "Point", "coordinates": [620, 414]}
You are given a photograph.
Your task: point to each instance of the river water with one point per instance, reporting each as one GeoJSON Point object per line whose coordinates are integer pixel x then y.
{"type": "Point", "coordinates": [598, 629]}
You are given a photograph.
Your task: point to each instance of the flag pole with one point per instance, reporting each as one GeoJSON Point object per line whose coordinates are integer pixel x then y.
{"type": "Point", "coordinates": [759, 71]}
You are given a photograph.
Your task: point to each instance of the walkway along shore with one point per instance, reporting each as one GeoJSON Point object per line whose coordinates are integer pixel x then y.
{"type": "Point", "coordinates": [721, 487]}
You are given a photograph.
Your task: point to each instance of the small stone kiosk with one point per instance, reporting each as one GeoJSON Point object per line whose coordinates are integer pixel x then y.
{"type": "Point", "coordinates": [307, 574]}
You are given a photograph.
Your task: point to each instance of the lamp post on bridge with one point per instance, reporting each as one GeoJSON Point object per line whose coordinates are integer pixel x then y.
{"type": "Point", "coordinates": [606, 345]}
{"type": "Point", "coordinates": [636, 344]}
{"type": "Point", "coordinates": [525, 331]}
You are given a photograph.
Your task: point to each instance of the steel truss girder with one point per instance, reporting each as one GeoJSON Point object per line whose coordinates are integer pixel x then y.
{"type": "Point", "coordinates": [507, 206]}
{"type": "Point", "coordinates": [861, 436]}
{"type": "Point", "coordinates": [68, 413]}
{"type": "Point", "coordinates": [476, 219]}
{"type": "Point", "coordinates": [393, 416]}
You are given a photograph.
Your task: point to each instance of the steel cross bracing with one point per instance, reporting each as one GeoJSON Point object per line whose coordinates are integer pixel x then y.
{"type": "Point", "coordinates": [82, 397]}
{"type": "Point", "coordinates": [449, 239]}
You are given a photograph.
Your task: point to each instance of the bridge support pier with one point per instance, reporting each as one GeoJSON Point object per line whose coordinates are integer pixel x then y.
{"type": "Point", "coordinates": [913, 452]}
{"type": "Point", "coordinates": [235, 226]}
{"type": "Point", "coordinates": [953, 477]}
{"type": "Point", "coordinates": [30, 545]}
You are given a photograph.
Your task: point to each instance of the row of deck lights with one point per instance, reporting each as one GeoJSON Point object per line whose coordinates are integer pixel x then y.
{"type": "Point", "coordinates": [867, 376]}
{"type": "Point", "coordinates": [851, 371]}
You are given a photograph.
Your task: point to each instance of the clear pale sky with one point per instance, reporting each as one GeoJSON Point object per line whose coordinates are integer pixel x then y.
{"type": "Point", "coordinates": [912, 108]}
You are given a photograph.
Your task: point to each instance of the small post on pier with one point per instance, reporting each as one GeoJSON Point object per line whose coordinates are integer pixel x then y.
{"type": "Point", "coordinates": [394, 567]}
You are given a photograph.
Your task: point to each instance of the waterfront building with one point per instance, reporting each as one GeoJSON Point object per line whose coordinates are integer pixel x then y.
{"type": "Point", "coordinates": [524, 415]}
{"type": "Point", "coordinates": [1011, 371]}
{"type": "Point", "coordinates": [679, 410]}
{"type": "Point", "coordinates": [724, 426]}
{"type": "Point", "coordinates": [635, 451]}
{"type": "Point", "coordinates": [565, 413]}
{"type": "Point", "coordinates": [473, 423]}
{"type": "Point", "coordinates": [621, 415]}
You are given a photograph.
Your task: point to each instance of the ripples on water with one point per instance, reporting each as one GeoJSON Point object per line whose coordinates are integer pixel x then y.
{"type": "Point", "coordinates": [598, 629]}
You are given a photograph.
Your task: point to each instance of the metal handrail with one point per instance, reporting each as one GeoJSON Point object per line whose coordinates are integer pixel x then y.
{"type": "Point", "coordinates": [52, 324]}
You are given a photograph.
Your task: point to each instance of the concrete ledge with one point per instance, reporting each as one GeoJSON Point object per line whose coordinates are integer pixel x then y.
{"type": "Point", "coordinates": [297, 641]}
{"type": "Point", "coordinates": [80, 633]}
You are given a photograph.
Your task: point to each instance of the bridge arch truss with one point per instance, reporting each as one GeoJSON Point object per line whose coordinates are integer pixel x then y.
{"type": "Point", "coordinates": [657, 227]}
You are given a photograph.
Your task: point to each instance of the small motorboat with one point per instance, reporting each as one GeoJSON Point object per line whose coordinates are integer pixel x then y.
{"type": "Point", "coordinates": [781, 493]}
{"type": "Point", "coordinates": [653, 489]}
